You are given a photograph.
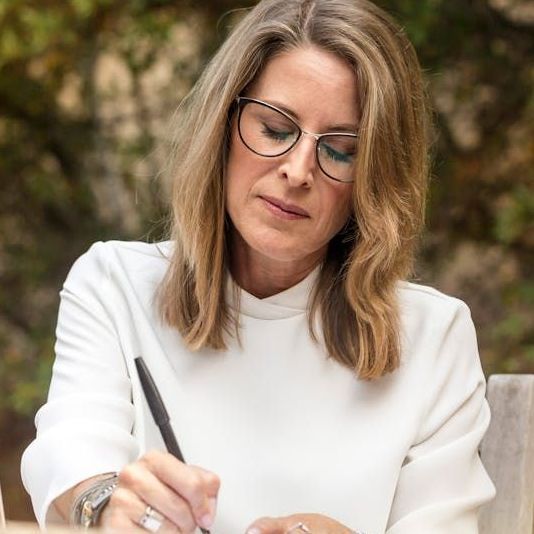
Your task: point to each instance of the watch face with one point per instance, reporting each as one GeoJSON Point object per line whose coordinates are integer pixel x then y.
{"type": "Point", "coordinates": [97, 501]}
{"type": "Point", "coordinates": [89, 504]}
{"type": "Point", "coordinates": [87, 513]}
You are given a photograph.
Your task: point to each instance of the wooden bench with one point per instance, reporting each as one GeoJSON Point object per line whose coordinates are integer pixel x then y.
{"type": "Point", "coordinates": [507, 452]}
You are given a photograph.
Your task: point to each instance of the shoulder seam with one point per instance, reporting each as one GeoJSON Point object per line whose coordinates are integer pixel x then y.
{"type": "Point", "coordinates": [427, 290]}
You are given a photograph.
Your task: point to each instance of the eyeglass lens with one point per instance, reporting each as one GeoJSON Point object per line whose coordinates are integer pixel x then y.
{"type": "Point", "coordinates": [270, 133]}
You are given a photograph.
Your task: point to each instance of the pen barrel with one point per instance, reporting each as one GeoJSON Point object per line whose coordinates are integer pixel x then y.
{"type": "Point", "coordinates": [174, 449]}
{"type": "Point", "coordinates": [170, 441]}
{"type": "Point", "coordinates": [159, 413]}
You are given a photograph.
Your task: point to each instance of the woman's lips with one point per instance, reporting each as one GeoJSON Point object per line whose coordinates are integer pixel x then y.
{"type": "Point", "coordinates": [283, 209]}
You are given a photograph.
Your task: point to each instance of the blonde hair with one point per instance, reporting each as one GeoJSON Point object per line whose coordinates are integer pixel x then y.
{"type": "Point", "coordinates": [356, 292]}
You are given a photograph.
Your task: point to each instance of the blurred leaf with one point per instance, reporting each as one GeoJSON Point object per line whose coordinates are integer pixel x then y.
{"type": "Point", "coordinates": [86, 87]}
{"type": "Point", "coordinates": [516, 216]}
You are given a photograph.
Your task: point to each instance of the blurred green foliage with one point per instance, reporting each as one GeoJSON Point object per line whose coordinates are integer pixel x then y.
{"type": "Point", "coordinates": [86, 87]}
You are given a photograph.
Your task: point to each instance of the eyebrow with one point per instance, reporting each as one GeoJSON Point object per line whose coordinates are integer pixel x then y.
{"type": "Point", "coordinates": [345, 127]}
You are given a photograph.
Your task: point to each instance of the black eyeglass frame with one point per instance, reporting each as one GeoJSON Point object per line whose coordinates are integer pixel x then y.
{"type": "Point", "coordinates": [318, 137]}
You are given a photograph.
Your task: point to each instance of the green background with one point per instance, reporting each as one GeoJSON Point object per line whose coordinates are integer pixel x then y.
{"type": "Point", "coordinates": [86, 89]}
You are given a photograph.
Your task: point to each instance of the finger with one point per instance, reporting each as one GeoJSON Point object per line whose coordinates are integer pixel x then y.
{"type": "Point", "coordinates": [196, 485]}
{"type": "Point", "coordinates": [124, 513]}
{"type": "Point", "coordinates": [268, 525]}
{"type": "Point", "coordinates": [121, 525]}
{"type": "Point", "coordinates": [149, 489]}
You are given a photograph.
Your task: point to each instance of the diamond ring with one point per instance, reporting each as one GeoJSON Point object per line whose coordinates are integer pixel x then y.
{"type": "Point", "coordinates": [151, 519]}
{"type": "Point", "coordinates": [299, 526]}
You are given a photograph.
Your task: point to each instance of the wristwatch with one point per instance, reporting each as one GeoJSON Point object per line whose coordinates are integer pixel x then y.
{"type": "Point", "coordinates": [89, 504]}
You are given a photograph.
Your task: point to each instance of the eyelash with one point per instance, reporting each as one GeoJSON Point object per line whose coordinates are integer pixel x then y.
{"type": "Point", "coordinates": [274, 134]}
{"type": "Point", "coordinates": [281, 136]}
{"type": "Point", "coordinates": [337, 156]}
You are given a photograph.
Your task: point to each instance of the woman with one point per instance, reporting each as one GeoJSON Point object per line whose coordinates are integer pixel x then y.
{"type": "Point", "coordinates": [310, 387]}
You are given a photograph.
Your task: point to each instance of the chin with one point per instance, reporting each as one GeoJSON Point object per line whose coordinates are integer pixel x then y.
{"type": "Point", "coordinates": [278, 247]}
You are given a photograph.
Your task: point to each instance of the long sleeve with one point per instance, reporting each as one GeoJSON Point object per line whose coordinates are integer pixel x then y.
{"type": "Point", "coordinates": [85, 427]}
{"type": "Point", "coordinates": [442, 482]}
{"type": "Point", "coordinates": [404, 454]}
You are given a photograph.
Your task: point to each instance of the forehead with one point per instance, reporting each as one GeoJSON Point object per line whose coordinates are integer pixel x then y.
{"type": "Point", "coordinates": [314, 83]}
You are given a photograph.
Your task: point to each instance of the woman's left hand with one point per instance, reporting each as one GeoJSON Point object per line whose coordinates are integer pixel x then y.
{"type": "Point", "coordinates": [314, 523]}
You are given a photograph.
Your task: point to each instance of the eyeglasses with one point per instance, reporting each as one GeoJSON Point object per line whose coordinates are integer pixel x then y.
{"type": "Point", "coordinates": [270, 132]}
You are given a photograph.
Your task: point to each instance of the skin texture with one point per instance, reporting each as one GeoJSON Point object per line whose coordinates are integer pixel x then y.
{"type": "Point", "coordinates": [316, 523]}
{"type": "Point", "coordinates": [271, 253]}
{"type": "Point", "coordinates": [186, 495]}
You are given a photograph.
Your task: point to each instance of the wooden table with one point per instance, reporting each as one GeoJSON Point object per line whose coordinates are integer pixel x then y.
{"type": "Point", "coordinates": [15, 527]}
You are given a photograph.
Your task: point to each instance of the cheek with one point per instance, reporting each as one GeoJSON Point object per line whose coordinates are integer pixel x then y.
{"type": "Point", "coordinates": [235, 175]}
{"type": "Point", "coordinates": [244, 170]}
{"type": "Point", "coordinates": [337, 208]}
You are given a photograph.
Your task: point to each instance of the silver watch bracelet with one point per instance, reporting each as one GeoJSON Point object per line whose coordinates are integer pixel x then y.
{"type": "Point", "coordinates": [88, 505]}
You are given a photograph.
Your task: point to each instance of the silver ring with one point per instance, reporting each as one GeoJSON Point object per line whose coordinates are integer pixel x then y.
{"type": "Point", "coordinates": [299, 526]}
{"type": "Point", "coordinates": [151, 519]}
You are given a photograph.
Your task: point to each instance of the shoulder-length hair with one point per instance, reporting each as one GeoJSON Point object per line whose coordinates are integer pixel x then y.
{"type": "Point", "coordinates": [355, 296]}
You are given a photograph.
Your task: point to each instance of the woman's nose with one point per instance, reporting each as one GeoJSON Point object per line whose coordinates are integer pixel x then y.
{"type": "Point", "coordinates": [300, 163]}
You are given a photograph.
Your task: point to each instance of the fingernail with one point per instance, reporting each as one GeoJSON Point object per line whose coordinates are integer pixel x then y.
{"type": "Point", "coordinates": [212, 502]}
{"type": "Point", "coordinates": [207, 519]}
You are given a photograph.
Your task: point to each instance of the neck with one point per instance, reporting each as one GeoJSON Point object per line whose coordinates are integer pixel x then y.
{"type": "Point", "coordinates": [263, 276]}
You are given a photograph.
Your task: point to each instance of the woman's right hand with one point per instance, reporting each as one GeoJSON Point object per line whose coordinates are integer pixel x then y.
{"type": "Point", "coordinates": [185, 495]}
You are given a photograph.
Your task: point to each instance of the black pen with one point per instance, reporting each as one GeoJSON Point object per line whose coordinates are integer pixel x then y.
{"type": "Point", "coordinates": [159, 412]}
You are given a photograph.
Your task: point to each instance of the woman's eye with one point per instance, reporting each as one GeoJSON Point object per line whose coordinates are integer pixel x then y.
{"type": "Point", "coordinates": [336, 155]}
{"type": "Point", "coordinates": [277, 134]}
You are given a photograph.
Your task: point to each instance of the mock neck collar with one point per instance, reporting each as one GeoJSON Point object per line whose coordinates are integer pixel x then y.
{"type": "Point", "coordinates": [288, 303]}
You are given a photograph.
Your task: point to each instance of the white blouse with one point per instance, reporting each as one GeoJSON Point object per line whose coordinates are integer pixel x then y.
{"type": "Point", "coordinates": [287, 429]}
